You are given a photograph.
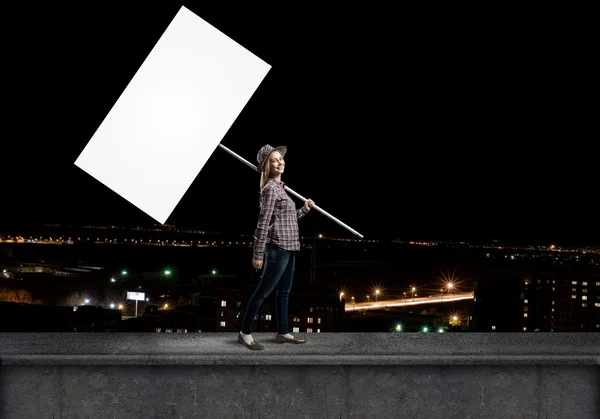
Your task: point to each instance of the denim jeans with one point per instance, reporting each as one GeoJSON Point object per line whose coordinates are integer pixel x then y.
{"type": "Point", "coordinates": [278, 270]}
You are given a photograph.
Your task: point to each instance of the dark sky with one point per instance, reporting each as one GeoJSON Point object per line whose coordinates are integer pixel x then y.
{"type": "Point", "coordinates": [407, 124]}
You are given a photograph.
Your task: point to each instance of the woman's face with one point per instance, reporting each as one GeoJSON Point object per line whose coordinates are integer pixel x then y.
{"type": "Point", "coordinates": [277, 163]}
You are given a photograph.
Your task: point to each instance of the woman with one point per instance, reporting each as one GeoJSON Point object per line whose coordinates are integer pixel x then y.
{"type": "Point", "coordinates": [275, 242]}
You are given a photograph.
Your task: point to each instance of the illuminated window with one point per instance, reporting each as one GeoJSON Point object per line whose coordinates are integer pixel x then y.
{"type": "Point", "coordinates": [584, 284]}
{"type": "Point", "coordinates": [222, 324]}
{"type": "Point", "coordinates": [573, 282]}
{"type": "Point", "coordinates": [297, 319]}
{"type": "Point", "coordinates": [493, 327]}
{"type": "Point", "coordinates": [308, 330]}
{"type": "Point", "coordinates": [573, 297]}
{"type": "Point", "coordinates": [526, 301]}
{"type": "Point", "coordinates": [268, 317]}
{"type": "Point", "coordinates": [574, 289]}
{"type": "Point", "coordinates": [223, 303]}
{"type": "Point", "coordinates": [524, 314]}
{"type": "Point", "coordinates": [524, 329]}
{"type": "Point", "coordinates": [309, 320]}
{"type": "Point", "coordinates": [584, 297]}
{"type": "Point", "coordinates": [295, 330]}
{"type": "Point", "coordinates": [310, 310]}
{"type": "Point", "coordinates": [584, 290]}
{"type": "Point", "coordinates": [583, 304]}
{"type": "Point", "coordinates": [318, 330]}
{"type": "Point", "coordinates": [318, 320]}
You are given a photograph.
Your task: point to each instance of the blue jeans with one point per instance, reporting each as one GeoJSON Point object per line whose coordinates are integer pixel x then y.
{"type": "Point", "coordinates": [278, 270]}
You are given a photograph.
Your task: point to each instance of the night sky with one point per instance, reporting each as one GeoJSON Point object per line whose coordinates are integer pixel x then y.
{"type": "Point", "coordinates": [402, 124]}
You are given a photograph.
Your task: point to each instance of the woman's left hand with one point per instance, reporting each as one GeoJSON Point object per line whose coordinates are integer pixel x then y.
{"type": "Point", "coordinates": [309, 204]}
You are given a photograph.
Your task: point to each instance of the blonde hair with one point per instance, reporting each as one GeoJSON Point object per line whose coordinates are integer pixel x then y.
{"type": "Point", "coordinates": [266, 173]}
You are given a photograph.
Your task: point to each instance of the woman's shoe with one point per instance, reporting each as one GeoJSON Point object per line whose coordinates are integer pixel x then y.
{"type": "Point", "coordinates": [254, 345]}
{"type": "Point", "coordinates": [282, 339]}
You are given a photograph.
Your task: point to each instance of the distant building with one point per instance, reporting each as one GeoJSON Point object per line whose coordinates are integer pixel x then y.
{"type": "Point", "coordinates": [21, 317]}
{"type": "Point", "coordinates": [95, 319]}
{"type": "Point", "coordinates": [156, 320]}
{"type": "Point", "coordinates": [34, 318]}
{"type": "Point", "coordinates": [307, 312]}
{"type": "Point", "coordinates": [496, 306]}
{"type": "Point", "coordinates": [561, 298]}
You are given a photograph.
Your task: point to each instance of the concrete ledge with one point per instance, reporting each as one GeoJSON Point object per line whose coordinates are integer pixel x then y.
{"type": "Point", "coordinates": [320, 349]}
{"type": "Point", "coordinates": [332, 376]}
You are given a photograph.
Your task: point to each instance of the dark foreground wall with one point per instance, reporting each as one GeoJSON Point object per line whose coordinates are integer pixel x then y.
{"type": "Point", "coordinates": [333, 375]}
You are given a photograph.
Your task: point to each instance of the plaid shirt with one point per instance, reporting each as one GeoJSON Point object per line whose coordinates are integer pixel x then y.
{"type": "Point", "coordinates": [278, 220]}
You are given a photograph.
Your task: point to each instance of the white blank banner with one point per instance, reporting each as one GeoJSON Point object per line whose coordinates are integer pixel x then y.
{"type": "Point", "coordinates": [172, 115]}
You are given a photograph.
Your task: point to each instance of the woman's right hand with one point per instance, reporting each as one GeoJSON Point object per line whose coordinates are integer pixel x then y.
{"type": "Point", "coordinates": [257, 263]}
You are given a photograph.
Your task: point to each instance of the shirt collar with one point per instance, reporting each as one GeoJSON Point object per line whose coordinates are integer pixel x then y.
{"type": "Point", "coordinates": [281, 183]}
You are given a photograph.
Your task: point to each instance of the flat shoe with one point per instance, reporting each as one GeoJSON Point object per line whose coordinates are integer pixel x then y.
{"type": "Point", "coordinates": [254, 345]}
{"type": "Point", "coordinates": [282, 339]}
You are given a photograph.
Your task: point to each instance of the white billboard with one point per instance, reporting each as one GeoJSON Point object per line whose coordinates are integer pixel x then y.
{"type": "Point", "coordinates": [138, 296]}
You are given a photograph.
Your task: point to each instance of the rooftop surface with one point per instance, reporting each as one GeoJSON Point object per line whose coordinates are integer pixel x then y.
{"type": "Point", "coordinates": [320, 349]}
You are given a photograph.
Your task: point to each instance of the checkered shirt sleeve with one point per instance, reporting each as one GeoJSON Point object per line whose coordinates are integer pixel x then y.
{"type": "Point", "coordinates": [277, 220]}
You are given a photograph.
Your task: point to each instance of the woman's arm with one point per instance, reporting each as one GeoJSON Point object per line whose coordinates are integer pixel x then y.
{"type": "Point", "coordinates": [300, 213]}
{"type": "Point", "coordinates": [267, 204]}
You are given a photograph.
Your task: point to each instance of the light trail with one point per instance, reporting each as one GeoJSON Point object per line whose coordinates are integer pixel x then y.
{"type": "Point", "coordinates": [405, 302]}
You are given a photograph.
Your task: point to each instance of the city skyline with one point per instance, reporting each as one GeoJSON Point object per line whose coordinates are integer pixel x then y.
{"type": "Point", "coordinates": [428, 148]}
{"type": "Point", "coordinates": [43, 230]}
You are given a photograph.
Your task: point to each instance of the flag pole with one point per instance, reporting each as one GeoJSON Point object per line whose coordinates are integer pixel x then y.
{"type": "Point", "coordinates": [247, 163]}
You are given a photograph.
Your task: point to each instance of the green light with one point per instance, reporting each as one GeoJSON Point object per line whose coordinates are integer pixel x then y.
{"type": "Point", "coordinates": [124, 273]}
{"type": "Point", "coordinates": [425, 329]}
{"type": "Point", "coordinates": [214, 271]}
{"type": "Point", "coordinates": [167, 272]}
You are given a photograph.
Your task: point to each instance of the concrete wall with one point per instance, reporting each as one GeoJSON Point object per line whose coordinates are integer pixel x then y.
{"type": "Point", "coordinates": [333, 375]}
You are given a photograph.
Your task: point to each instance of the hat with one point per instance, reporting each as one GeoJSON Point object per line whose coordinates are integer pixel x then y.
{"type": "Point", "coordinates": [264, 152]}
